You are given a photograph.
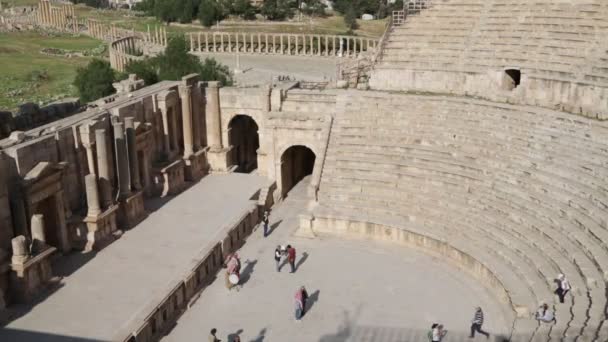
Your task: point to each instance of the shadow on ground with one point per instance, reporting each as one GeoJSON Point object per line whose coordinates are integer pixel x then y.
{"type": "Point", "coordinates": [32, 336]}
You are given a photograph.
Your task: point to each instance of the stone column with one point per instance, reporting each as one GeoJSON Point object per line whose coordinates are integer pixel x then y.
{"type": "Point", "coordinates": [90, 182]}
{"type": "Point", "coordinates": [166, 137]}
{"type": "Point", "coordinates": [185, 93]}
{"type": "Point", "coordinates": [20, 250]}
{"type": "Point", "coordinates": [132, 152]}
{"type": "Point", "coordinates": [90, 158]}
{"type": "Point", "coordinates": [103, 167]}
{"type": "Point", "coordinates": [38, 234]}
{"type": "Point", "coordinates": [214, 129]}
{"type": "Point", "coordinates": [122, 160]}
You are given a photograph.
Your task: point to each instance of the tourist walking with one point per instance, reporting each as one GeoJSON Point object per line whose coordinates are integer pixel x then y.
{"type": "Point", "coordinates": [299, 303]}
{"type": "Point", "coordinates": [477, 322]}
{"type": "Point", "coordinates": [212, 337]}
{"type": "Point", "coordinates": [563, 287]}
{"type": "Point", "coordinates": [304, 299]}
{"type": "Point", "coordinates": [436, 333]}
{"type": "Point", "coordinates": [277, 257]}
{"type": "Point", "coordinates": [266, 220]}
{"type": "Point", "coordinates": [291, 258]}
{"type": "Point", "coordinates": [545, 315]}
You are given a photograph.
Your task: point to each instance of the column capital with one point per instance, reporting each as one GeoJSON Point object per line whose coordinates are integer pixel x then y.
{"type": "Point", "coordinates": [184, 90]}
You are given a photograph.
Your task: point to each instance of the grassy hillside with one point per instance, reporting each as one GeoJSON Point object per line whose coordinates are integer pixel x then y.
{"type": "Point", "coordinates": [27, 75]}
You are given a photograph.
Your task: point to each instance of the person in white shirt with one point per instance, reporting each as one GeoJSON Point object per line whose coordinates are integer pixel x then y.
{"type": "Point", "coordinates": [544, 314]}
{"type": "Point", "coordinates": [563, 287]}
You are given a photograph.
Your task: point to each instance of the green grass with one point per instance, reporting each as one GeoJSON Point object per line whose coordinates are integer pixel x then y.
{"type": "Point", "coordinates": [26, 75]}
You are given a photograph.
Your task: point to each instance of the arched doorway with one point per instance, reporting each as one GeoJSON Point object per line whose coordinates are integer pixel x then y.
{"type": "Point", "coordinates": [244, 139]}
{"type": "Point", "coordinates": [297, 162]}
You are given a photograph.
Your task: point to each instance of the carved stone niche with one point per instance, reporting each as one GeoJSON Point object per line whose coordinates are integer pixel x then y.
{"type": "Point", "coordinates": [43, 195]}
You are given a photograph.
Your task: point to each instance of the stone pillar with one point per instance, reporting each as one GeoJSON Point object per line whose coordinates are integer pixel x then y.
{"type": "Point", "coordinates": [38, 234]}
{"type": "Point", "coordinates": [90, 158]}
{"type": "Point", "coordinates": [166, 137]}
{"type": "Point", "coordinates": [103, 167]}
{"type": "Point", "coordinates": [20, 250]}
{"type": "Point", "coordinates": [185, 93]}
{"type": "Point", "coordinates": [122, 160]}
{"type": "Point", "coordinates": [214, 129]}
{"type": "Point", "coordinates": [132, 152]}
{"type": "Point", "coordinates": [90, 182]}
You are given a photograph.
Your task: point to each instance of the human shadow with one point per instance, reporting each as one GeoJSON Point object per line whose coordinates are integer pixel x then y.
{"type": "Point", "coordinates": [247, 270]}
{"type": "Point", "coordinates": [273, 227]}
{"type": "Point", "coordinates": [301, 260]}
{"type": "Point", "coordinates": [233, 336]}
{"type": "Point", "coordinates": [312, 299]}
{"type": "Point", "coordinates": [260, 337]}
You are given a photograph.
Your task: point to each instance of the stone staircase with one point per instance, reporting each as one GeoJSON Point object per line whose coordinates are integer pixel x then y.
{"type": "Point", "coordinates": [520, 189]}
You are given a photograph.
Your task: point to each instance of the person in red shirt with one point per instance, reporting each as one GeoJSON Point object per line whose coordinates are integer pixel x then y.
{"type": "Point", "coordinates": [291, 257]}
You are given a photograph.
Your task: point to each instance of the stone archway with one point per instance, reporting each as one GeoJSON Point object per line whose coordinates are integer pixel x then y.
{"type": "Point", "coordinates": [297, 162]}
{"type": "Point", "coordinates": [245, 141]}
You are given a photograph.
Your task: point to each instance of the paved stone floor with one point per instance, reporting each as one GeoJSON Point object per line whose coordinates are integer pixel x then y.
{"type": "Point", "coordinates": [260, 69]}
{"type": "Point", "coordinates": [103, 294]}
{"type": "Point", "coordinates": [360, 291]}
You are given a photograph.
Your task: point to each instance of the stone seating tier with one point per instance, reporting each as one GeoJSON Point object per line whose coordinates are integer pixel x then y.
{"type": "Point", "coordinates": [518, 188]}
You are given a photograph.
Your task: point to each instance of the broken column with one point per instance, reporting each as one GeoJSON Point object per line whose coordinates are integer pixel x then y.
{"type": "Point", "coordinates": [103, 168]}
{"type": "Point", "coordinates": [131, 209]}
{"type": "Point", "coordinates": [90, 181]}
{"type": "Point", "coordinates": [20, 250]}
{"type": "Point", "coordinates": [132, 152]}
{"type": "Point", "coordinates": [122, 161]}
{"type": "Point", "coordinates": [185, 93]}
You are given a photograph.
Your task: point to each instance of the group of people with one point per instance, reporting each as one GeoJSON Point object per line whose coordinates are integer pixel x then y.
{"type": "Point", "coordinates": [288, 252]}
{"type": "Point", "coordinates": [544, 314]}
{"type": "Point", "coordinates": [438, 332]}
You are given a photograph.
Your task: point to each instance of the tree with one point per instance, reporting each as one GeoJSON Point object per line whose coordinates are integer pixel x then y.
{"type": "Point", "coordinates": [244, 9]}
{"type": "Point", "coordinates": [176, 62]}
{"type": "Point", "coordinates": [350, 18]}
{"type": "Point", "coordinates": [278, 9]}
{"type": "Point", "coordinates": [166, 10]}
{"type": "Point", "coordinates": [188, 10]}
{"type": "Point", "coordinates": [146, 70]}
{"type": "Point", "coordinates": [212, 70]}
{"type": "Point", "coordinates": [314, 7]}
{"type": "Point", "coordinates": [209, 12]}
{"type": "Point", "coordinates": [95, 80]}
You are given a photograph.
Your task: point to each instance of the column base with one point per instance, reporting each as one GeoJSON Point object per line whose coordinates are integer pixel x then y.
{"type": "Point", "coordinates": [173, 178]}
{"type": "Point", "coordinates": [30, 278]}
{"type": "Point", "coordinates": [101, 229]}
{"type": "Point", "coordinates": [196, 166]}
{"type": "Point", "coordinates": [220, 160]}
{"type": "Point", "coordinates": [131, 211]}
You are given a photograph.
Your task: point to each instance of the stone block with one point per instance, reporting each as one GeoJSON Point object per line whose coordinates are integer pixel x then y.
{"type": "Point", "coordinates": [101, 229]}
{"type": "Point", "coordinates": [131, 211]}
{"type": "Point", "coordinates": [305, 228]}
{"type": "Point", "coordinates": [220, 160]}
{"type": "Point", "coordinates": [173, 178]}
{"type": "Point", "coordinates": [196, 166]}
{"type": "Point", "coordinates": [28, 279]}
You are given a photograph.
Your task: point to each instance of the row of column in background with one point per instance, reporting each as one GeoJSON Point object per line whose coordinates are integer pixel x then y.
{"type": "Point", "coordinates": [290, 44]}
{"type": "Point", "coordinates": [62, 17]}
{"type": "Point", "coordinates": [123, 51]}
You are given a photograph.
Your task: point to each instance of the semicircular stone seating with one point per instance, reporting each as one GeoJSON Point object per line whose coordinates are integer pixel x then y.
{"type": "Point", "coordinates": [523, 190]}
